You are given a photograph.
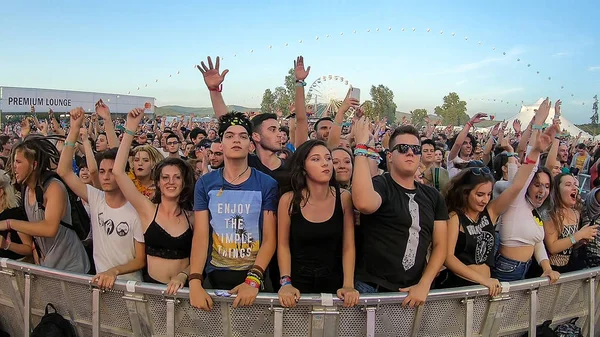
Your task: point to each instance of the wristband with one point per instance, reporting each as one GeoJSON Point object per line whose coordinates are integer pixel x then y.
{"type": "Point", "coordinates": [511, 154]}
{"type": "Point", "coordinates": [300, 83]}
{"type": "Point", "coordinates": [217, 89]}
{"type": "Point", "coordinates": [572, 238]}
{"type": "Point", "coordinates": [7, 246]}
{"type": "Point", "coordinates": [529, 161]}
{"type": "Point", "coordinates": [184, 273]}
{"type": "Point", "coordinates": [8, 224]}
{"type": "Point", "coordinates": [285, 280]}
{"type": "Point", "coordinates": [253, 283]}
{"type": "Point", "coordinates": [195, 276]}
{"type": "Point", "coordinates": [538, 127]}
{"type": "Point", "coordinates": [127, 131]}
{"type": "Point", "coordinates": [71, 144]}
{"type": "Point", "coordinates": [469, 124]}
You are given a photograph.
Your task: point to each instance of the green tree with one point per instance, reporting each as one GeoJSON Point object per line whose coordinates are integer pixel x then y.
{"type": "Point", "coordinates": [417, 117]}
{"type": "Point", "coordinates": [290, 83]}
{"type": "Point", "coordinates": [453, 111]}
{"type": "Point", "coordinates": [368, 109]}
{"type": "Point", "coordinates": [383, 103]}
{"type": "Point", "coordinates": [282, 100]}
{"type": "Point", "coordinates": [268, 102]}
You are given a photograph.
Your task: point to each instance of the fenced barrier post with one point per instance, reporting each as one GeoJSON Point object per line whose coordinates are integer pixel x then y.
{"type": "Point", "coordinates": [170, 317]}
{"type": "Point", "coordinates": [27, 306]}
{"type": "Point", "coordinates": [416, 326]}
{"type": "Point", "coordinates": [138, 314]}
{"type": "Point", "coordinates": [469, 307]}
{"type": "Point", "coordinates": [533, 309]}
{"type": "Point", "coordinates": [95, 312]}
{"type": "Point", "coordinates": [592, 307]}
{"type": "Point", "coordinates": [278, 322]}
{"type": "Point", "coordinates": [371, 317]}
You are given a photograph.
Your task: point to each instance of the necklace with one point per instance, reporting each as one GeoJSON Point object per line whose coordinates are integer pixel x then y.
{"type": "Point", "coordinates": [220, 193]}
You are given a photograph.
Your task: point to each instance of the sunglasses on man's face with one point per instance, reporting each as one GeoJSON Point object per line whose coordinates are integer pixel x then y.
{"type": "Point", "coordinates": [403, 148]}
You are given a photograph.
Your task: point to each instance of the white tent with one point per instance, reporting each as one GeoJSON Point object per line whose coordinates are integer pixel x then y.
{"type": "Point", "coordinates": [527, 112]}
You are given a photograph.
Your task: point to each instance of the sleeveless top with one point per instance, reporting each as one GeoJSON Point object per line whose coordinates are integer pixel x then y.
{"type": "Point", "coordinates": [317, 244]}
{"type": "Point", "coordinates": [161, 244]}
{"type": "Point", "coordinates": [64, 251]}
{"type": "Point", "coordinates": [477, 243]}
{"type": "Point", "coordinates": [562, 259]}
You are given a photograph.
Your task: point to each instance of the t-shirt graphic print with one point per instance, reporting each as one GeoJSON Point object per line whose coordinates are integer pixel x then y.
{"type": "Point", "coordinates": [235, 217]}
{"type": "Point", "coordinates": [235, 227]}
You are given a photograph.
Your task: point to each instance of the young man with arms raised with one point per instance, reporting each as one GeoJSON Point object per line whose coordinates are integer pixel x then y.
{"type": "Point", "coordinates": [235, 211]}
{"type": "Point", "coordinates": [117, 234]}
{"type": "Point", "coordinates": [400, 219]}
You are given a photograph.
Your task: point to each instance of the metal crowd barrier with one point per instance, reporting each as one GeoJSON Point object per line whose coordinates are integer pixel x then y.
{"type": "Point", "coordinates": [140, 309]}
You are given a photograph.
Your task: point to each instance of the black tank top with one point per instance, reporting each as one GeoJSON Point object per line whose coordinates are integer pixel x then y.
{"type": "Point", "coordinates": [161, 244]}
{"type": "Point", "coordinates": [477, 243]}
{"type": "Point", "coordinates": [316, 245]}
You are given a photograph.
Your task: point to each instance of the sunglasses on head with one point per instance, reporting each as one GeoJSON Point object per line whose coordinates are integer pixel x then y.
{"type": "Point", "coordinates": [403, 148]}
{"type": "Point", "coordinates": [478, 171]}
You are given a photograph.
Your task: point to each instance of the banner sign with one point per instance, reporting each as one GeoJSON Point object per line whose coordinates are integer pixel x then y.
{"type": "Point", "coordinates": [20, 100]}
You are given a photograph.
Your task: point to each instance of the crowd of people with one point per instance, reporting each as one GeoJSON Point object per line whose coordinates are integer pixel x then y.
{"type": "Point", "coordinates": [256, 202]}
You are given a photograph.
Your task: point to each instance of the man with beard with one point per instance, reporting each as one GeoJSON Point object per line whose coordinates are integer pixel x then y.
{"type": "Point", "coordinates": [215, 155]}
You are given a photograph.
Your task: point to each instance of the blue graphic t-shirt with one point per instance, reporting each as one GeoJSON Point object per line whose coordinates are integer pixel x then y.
{"type": "Point", "coordinates": [236, 217]}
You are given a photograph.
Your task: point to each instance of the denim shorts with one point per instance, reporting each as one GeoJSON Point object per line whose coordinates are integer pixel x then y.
{"type": "Point", "coordinates": [507, 270]}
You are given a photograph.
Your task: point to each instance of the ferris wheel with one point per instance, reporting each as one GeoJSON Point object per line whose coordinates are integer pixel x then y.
{"type": "Point", "coordinates": [325, 95]}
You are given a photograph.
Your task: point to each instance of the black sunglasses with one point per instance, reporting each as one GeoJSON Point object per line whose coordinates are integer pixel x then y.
{"type": "Point", "coordinates": [403, 148]}
{"type": "Point", "coordinates": [480, 171]}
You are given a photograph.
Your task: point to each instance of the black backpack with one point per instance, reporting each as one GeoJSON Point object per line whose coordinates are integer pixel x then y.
{"type": "Point", "coordinates": [80, 220]}
{"type": "Point", "coordinates": [543, 330]}
{"type": "Point", "coordinates": [53, 325]}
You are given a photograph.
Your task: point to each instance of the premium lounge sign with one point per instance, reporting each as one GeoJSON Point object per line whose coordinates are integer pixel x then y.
{"type": "Point", "coordinates": [20, 100]}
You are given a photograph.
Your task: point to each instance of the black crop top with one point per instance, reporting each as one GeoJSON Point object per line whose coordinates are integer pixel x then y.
{"type": "Point", "coordinates": [161, 244]}
{"type": "Point", "coordinates": [477, 243]}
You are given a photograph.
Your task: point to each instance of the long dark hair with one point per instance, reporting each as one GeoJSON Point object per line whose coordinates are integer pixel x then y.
{"type": "Point", "coordinates": [186, 198]}
{"type": "Point", "coordinates": [457, 191]}
{"type": "Point", "coordinates": [298, 186]}
{"type": "Point", "coordinates": [36, 148]}
{"type": "Point", "coordinates": [556, 213]}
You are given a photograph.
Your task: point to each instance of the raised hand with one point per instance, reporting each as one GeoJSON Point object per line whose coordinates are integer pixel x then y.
{"type": "Point", "coordinates": [76, 118]}
{"type": "Point", "coordinates": [478, 118]}
{"type": "Point", "coordinates": [212, 77]}
{"type": "Point", "coordinates": [543, 111]}
{"type": "Point", "coordinates": [517, 126]}
{"type": "Point", "coordinates": [348, 103]}
{"type": "Point", "coordinates": [361, 130]}
{"type": "Point", "coordinates": [299, 71]}
{"type": "Point", "coordinates": [496, 130]}
{"type": "Point", "coordinates": [544, 140]}
{"type": "Point", "coordinates": [134, 117]}
{"type": "Point", "coordinates": [557, 108]}
{"type": "Point", "coordinates": [83, 134]}
{"type": "Point", "coordinates": [102, 110]}
{"type": "Point", "coordinates": [32, 110]}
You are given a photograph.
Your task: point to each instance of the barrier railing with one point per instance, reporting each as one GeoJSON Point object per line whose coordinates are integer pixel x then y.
{"type": "Point", "coordinates": [141, 309]}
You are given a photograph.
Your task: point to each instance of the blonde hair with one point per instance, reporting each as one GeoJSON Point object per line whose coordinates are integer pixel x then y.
{"type": "Point", "coordinates": [155, 156]}
{"type": "Point", "coordinates": [9, 200]}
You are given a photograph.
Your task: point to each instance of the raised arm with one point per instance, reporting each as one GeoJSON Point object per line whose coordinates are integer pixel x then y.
{"type": "Point", "coordinates": [109, 127]}
{"type": "Point", "coordinates": [525, 173]}
{"type": "Point", "coordinates": [301, 131]}
{"type": "Point", "coordinates": [463, 135]}
{"type": "Point", "coordinates": [364, 196]}
{"type": "Point", "coordinates": [336, 130]}
{"type": "Point", "coordinates": [142, 205]}
{"type": "Point", "coordinates": [214, 83]}
{"type": "Point", "coordinates": [65, 164]}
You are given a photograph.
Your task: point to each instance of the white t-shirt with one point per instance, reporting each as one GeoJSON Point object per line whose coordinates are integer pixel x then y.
{"type": "Point", "coordinates": [114, 231]}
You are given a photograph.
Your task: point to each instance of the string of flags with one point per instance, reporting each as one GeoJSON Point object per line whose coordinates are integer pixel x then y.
{"type": "Point", "coordinates": [389, 30]}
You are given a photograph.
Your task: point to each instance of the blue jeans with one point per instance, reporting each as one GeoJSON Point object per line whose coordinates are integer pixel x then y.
{"type": "Point", "coordinates": [507, 270]}
{"type": "Point", "coordinates": [364, 288]}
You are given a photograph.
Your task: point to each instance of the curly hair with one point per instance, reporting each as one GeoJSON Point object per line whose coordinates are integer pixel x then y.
{"type": "Point", "coordinates": [298, 185]}
{"type": "Point", "coordinates": [556, 213]}
{"type": "Point", "coordinates": [456, 193]}
{"type": "Point", "coordinates": [39, 149]}
{"type": "Point", "coordinates": [186, 198]}
{"type": "Point", "coordinates": [234, 118]}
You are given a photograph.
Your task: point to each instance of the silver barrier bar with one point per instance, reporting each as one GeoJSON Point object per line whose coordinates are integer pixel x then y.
{"type": "Point", "coordinates": [95, 312]}
{"type": "Point", "coordinates": [278, 322]}
{"type": "Point", "coordinates": [417, 320]}
{"type": "Point", "coordinates": [469, 314]}
{"type": "Point", "coordinates": [27, 307]}
{"type": "Point", "coordinates": [592, 307]}
{"type": "Point", "coordinates": [533, 309]}
{"type": "Point", "coordinates": [170, 317]}
{"type": "Point", "coordinates": [371, 318]}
